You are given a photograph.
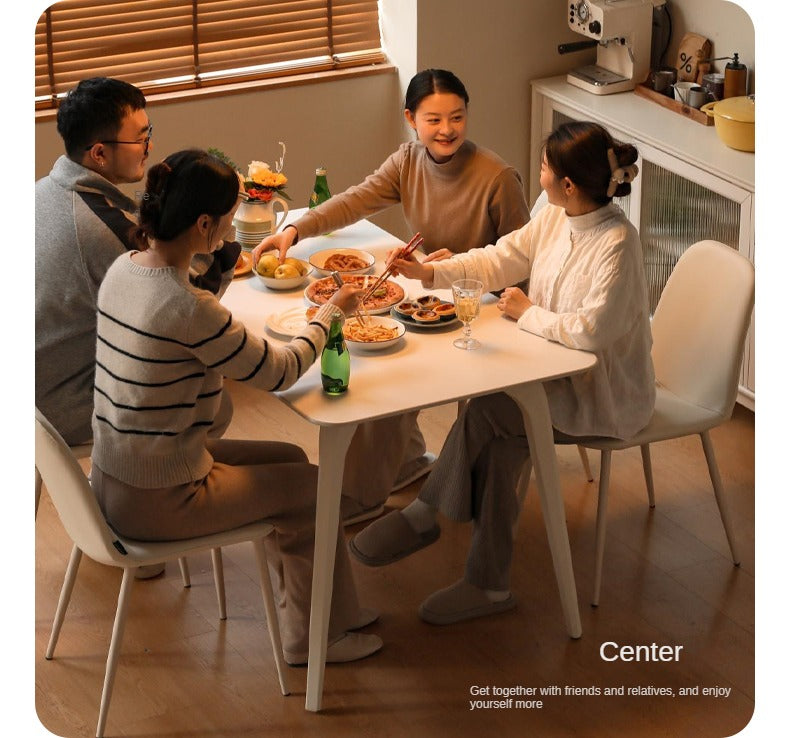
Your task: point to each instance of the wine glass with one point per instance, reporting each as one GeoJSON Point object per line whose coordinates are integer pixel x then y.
{"type": "Point", "coordinates": [466, 296]}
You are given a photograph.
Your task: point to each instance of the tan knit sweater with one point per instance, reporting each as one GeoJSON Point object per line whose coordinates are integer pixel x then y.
{"type": "Point", "coordinates": [163, 349]}
{"type": "Point", "coordinates": [467, 202]}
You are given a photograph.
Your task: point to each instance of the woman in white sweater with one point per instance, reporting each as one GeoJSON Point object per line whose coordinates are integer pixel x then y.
{"type": "Point", "coordinates": [163, 349]}
{"type": "Point", "coordinates": [587, 290]}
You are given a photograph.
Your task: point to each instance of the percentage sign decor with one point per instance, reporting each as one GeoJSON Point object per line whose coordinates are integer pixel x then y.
{"type": "Point", "coordinates": [692, 49]}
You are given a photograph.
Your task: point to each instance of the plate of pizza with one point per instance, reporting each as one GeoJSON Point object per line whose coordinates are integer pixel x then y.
{"type": "Point", "coordinates": [386, 295]}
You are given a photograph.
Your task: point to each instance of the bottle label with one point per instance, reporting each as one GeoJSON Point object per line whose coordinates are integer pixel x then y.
{"type": "Point", "coordinates": [332, 385]}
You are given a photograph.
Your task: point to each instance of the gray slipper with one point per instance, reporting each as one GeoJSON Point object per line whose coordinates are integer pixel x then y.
{"type": "Point", "coordinates": [461, 601]}
{"type": "Point", "coordinates": [390, 539]}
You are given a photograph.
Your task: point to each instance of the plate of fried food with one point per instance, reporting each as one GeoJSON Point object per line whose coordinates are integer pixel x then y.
{"type": "Point", "coordinates": [374, 334]}
{"type": "Point", "coordinates": [344, 261]}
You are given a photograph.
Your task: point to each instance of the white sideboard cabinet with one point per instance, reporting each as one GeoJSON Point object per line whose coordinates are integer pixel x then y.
{"type": "Point", "coordinates": [690, 187]}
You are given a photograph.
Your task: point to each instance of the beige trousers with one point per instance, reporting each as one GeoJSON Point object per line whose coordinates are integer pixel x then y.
{"type": "Point", "coordinates": [378, 451]}
{"type": "Point", "coordinates": [250, 481]}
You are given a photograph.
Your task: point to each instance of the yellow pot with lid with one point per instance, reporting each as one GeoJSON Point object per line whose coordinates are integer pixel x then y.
{"type": "Point", "coordinates": [734, 121]}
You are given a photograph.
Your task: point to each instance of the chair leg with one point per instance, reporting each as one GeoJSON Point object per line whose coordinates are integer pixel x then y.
{"type": "Point", "coordinates": [184, 566]}
{"type": "Point", "coordinates": [271, 615]}
{"type": "Point", "coordinates": [718, 491]}
{"type": "Point", "coordinates": [38, 489]}
{"type": "Point", "coordinates": [585, 462]}
{"type": "Point", "coordinates": [219, 581]}
{"type": "Point", "coordinates": [647, 465]}
{"type": "Point", "coordinates": [124, 597]}
{"type": "Point", "coordinates": [65, 597]}
{"type": "Point", "coordinates": [600, 523]}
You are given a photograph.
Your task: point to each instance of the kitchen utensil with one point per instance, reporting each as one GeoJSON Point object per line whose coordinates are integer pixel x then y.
{"type": "Point", "coordinates": [415, 242]}
{"type": "Point", "coordinates": [360, 316]}
{"type": "Point", "coordinates": [735, 78]}
{"type": "Point", "coordinates": [734, 121]}
{"type": "Point", "coordinates": [714, 82]}
{"type": "Point", "coordinates": [682, 91]}
{"type": "Point", "coordinates": [664, 78]}
{"type": "Point", "coordinates": [698, 96]}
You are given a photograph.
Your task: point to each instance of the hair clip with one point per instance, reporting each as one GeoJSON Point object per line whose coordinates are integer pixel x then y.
{"type": "Point", "coordinates": [620, 175]}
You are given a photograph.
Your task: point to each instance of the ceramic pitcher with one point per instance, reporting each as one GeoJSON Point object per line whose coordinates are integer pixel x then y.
{"type": "Point", "coordinates": [256, 219]}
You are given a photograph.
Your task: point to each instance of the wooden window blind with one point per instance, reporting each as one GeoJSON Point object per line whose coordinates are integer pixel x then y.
{"type": "Point", "coordinates": [162, 45]}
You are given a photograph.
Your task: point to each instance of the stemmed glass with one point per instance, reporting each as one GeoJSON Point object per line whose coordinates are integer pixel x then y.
{"type": "Point", "coordinates": [466, 296]}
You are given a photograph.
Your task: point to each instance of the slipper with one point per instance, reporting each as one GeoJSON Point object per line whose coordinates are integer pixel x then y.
{"type": "Point", "coordinates": [390, 539]}
{"type": "Point", "coordinates": [461, 601]}
{"type": "Point", "coordinates": [349, 647]}
{"type": "Point", "coordinates": [416, 469]}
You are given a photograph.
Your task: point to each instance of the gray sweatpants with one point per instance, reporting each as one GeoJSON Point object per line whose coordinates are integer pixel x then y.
{"type": "Point", "coordinates": [475, 479]}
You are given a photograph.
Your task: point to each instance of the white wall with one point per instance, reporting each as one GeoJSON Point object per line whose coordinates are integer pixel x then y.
{"type": "Point", "coordinates": [725, 24]}
{"type": "Point", "coordinates": [350, 126]}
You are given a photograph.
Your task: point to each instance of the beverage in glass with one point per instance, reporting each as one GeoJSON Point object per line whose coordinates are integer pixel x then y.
{"type": "Point", "coordinates": [466, 296]}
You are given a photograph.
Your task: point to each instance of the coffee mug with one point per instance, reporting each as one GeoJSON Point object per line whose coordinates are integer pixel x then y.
{"type": "Point", "coordinates": [663, 79]}
{"type": "Point", "coordinates": [682, 91]}
{"type": "Point", "coordinates": [698, 96]}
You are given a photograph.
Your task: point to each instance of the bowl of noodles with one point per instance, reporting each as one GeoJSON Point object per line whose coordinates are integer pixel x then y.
{"type": "Point", "coordinates": [344, 261]}
{"type": "Point", "coordinates": [376, 333]}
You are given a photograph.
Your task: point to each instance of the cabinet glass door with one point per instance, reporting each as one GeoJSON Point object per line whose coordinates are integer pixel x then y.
{"type": "Point", "coordinates": [675, 213]}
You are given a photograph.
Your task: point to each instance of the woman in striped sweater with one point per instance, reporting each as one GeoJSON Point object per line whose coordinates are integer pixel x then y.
{"type": "Point", "coordinates": [163, 349]}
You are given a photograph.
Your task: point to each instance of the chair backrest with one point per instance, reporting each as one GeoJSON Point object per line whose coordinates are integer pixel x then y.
{"type": "Point", "coordinates": [700, 325]}
{"type": "Point", "coordinates": [70, 492]}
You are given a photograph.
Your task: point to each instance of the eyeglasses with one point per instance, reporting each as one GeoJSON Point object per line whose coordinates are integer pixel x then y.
{"type": "Point", "coordinates": [146, 141]}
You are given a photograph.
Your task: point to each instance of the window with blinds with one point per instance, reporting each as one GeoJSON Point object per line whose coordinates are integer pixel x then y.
{"type": "Point", "coordinates": [163, 45]}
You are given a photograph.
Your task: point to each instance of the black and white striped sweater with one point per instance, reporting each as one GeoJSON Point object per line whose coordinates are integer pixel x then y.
{"type": "Point", "coordinates": [163, 348]}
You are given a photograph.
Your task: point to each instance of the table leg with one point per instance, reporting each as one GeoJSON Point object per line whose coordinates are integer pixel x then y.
{"type": "Point", "coordinates": [531, 398]}
{"type": "Point", "coordinates": [333, 443]}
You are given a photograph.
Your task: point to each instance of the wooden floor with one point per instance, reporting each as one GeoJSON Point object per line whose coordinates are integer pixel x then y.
{"type": "Point", "coordinates": [668, 579]}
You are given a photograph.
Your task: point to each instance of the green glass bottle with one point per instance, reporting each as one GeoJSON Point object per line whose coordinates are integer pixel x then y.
{"type": "Point", "coordinates": [320, 191]}
{"type": "Point", "coordinates": [335, 359]}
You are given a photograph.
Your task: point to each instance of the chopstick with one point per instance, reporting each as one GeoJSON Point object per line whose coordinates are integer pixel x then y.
{"type": "Point", "coordinates": [339, 282]}
{"type": "Point", "coordinates": [416, 241]}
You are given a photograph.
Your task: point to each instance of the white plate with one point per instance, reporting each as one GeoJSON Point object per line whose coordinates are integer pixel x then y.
{"type": "Point", "coordinates": [285, 284]}
{"type": "Point", "coordinates": [289, 322]}
{"type": "Point", "coordinates": [378, 345]}
{"type": "Point", "coordinates": [318, 259]}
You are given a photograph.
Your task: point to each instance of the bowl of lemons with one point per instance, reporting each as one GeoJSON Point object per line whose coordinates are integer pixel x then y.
{"type": "Point", "coordinates": [289, 275]}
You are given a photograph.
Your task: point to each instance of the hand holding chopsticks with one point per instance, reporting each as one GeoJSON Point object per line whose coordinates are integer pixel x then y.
{"type": "Point", "coordinates": [339, 282]}
{"type": "Point", "coordinates": [404, 253]}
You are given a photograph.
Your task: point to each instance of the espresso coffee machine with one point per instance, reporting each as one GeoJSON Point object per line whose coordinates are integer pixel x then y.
{"type": "Point", "coordinates": [621, 31]}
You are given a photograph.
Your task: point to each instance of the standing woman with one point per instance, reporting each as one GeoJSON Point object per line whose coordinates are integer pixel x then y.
{"type": "Point", "coordinates": [587, 290]}
{"type": "Point", "coordinates": [163, 349]}
{"type": "Point", "coordinates": [458, 196]}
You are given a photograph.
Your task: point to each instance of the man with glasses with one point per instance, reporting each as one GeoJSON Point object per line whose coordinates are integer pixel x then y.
{"type": "Point", "coordinates": [83, 223]}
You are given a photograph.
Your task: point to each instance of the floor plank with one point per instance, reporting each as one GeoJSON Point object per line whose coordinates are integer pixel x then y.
{"type": "Point", "coordinates": [668, 579]}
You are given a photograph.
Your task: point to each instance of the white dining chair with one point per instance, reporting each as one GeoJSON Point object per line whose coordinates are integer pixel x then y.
{"type": "Point", "coordinates": [699, 327]}
{"type": "Point", "coordinates": [70, 492]}
{"type": "Point", "coordinates": [83, 451]}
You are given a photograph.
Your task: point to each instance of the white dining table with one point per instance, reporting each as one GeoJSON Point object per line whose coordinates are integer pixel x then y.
{"type": "Point", "coordinates": [424, 369]}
